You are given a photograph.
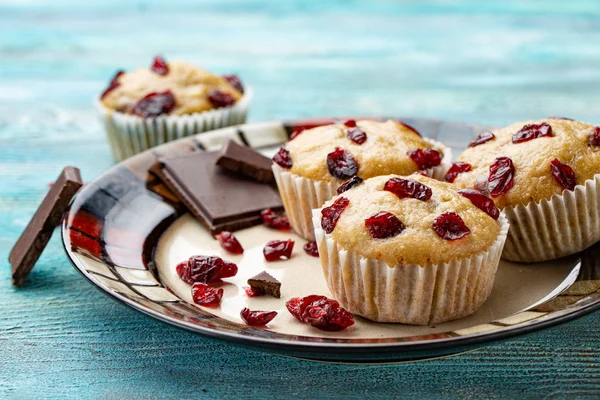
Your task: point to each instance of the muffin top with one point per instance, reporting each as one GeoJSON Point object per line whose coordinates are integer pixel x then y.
{"type": "Point", "coordinates": [530, 161]}
{"type": "Point", "coordinates": [411, 220]}
{"type": "Point", "coordinates": [340, 151]}
{"type": "Point", "coordinates": [175, 88]}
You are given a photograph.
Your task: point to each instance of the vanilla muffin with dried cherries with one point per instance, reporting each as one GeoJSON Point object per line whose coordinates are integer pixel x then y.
{"type": "Point", "coordinates": [310, 168]}
{"type": "Point", "coordinates": [411, 250]}
{"type": "Point", "coordinates": [544, 175]}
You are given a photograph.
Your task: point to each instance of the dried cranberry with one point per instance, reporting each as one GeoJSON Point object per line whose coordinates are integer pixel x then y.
{"type": "Point", "coordinates": [252, 292]}
{"type": "Point", "coordinates": [331, 214]}
{"type": "Point", "coordinates": [349, 184]}
{"type": "Point", "coordinates": [356, 135]}
{"type": "Point", "coordinates": [155, 104]}
{"type": "Point", "coordinates": [383, 225]}
{"type": "Point", "coordinates": [341, 164]}
{"type": "Point", "coordinates": [271, 220]}
{"type": "Point", "coordinates": [501, 177]}
{"type": "Point", "coordinates": [297, 133]}
{"type": "Point", "coordinates": [481, 201]}
{"type": "Point", "coordinates": [159, 66]}
{"type": "Point", "coordinates": [532, 131]}
{"type": "Point", "coordinates": [283, 159]}
{"type": "Point", "coordinates": [350, 123]}
{"type": "Point", "coordinates": [219, 98]}
{"type": "Point", "coordinates": [425, 159]}
{"type": "Point", "coordinates": [183, 271]}
{"type": "Point", "coordinates": [409, 128]}
{"type": "Point", "coordinates": [563, 174]}
{"type": "Point", "coordinates": [113, 84]}
{"type": "Point", "coordinates": [456, 168]}
{"type": "Point", "coordinates": [482, 138]}
{"type": "Point", "coordinates": [404, 188]}
{"type": "Point", "coordinates": [230, 243]}
{"type": "Point", "coordinates": [595, 137]}
{"type": "Point", "coordinates": [311, 249]}
{"type": "Point", "coordinates": [277, 249]}
{"type": "Point", "coordinates": [206, 295]}
{"type": "Point", "coordinates": [235, 81]}
{"type": "Point", "coordinates": [257, 318]}
{"type": "Point", "coordinates": [450, 226]}
{"type": "Point", "coordinates": [320, 312]}
{"type": "Point", "coordinates": [207, 269]}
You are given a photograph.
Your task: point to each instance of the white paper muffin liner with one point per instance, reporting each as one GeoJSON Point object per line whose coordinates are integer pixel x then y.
{"type": "Point", "coordinates": [408, 294]}
{"type": "Point", "coordinates": [130, 134]}
{"type": "Point", "coordinates": [301, 195]}
{"type": "Point", "coordinates": [563, 225]}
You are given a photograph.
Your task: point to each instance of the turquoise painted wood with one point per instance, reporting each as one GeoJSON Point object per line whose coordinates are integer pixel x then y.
{"type": "Point", "coordinates": [491, 62]}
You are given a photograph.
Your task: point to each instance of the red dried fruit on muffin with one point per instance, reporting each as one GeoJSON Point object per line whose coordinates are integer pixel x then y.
{"type": "Point", "coordinates": [230, 243]}
{"type": "Point", "coordinates": [257, 318]}
{"type": "Point", "coordinates": [272, 220]}
{"type": "Point", "coordinates": [595, 137]}
{"type": "Point", "coordinates": [341, 164]}
{"type": "Point", "coordinates": [356, 135]}
{"type": "Point", "coordinates": [331, 214]}
{"type": "Point", "coordinates": [456, 168]}
{"type": "Point", "coordinates": [501, 178]}
{"type": "Point", "coordinates": [482, 138]}
{"type": "Point", "coordinates": [409, 128]}
{"type": "Point", "coordinates": [481, 201]}
{"type": "Point", "coordinates": [350, 123]}
{"type": "Point", "coordinates": [563, 174]}
{"type": "Point", "coordinates": [219, 98]}
{"type": "Point", "coordinates": [206, 295]}
{"type": "Point", "coordinates": [404, 188]}
{"type": "Point", "coordinates": [113, 84]}
{"type": "Point", "coordinates": [450, 226]}
{"type": "Point", "coordinates": [297, 133]}
{"type": "Point", "coordinates": [207, 269]}
{"type": "Point", "coordinates": [425, 159]}
{"type": "Point", "coordinates": [159, 66]}
{"type": "Point", "coordinates": [320, 312]}
{"type": "Point", "coordinates": [235, 81]}
{"type": "Point", "coordinates": [283, 159]}
{"type": "Point", "coordinates": [252, 292]}
{"type": "Point", "coordinates": [383, 225]}
{"type": "Point", "coordinates": [349, 184]}
{"type": "Point", "coordinates": [155, 104]}
{"type": "Point", "coordinates": [183, 271]}
{"type": "Point", "coordinates": [532, 131]}
{"type": "Point", "coordinates": [275, 250]}
{"type": "Point", "coordinates": [311, 249]}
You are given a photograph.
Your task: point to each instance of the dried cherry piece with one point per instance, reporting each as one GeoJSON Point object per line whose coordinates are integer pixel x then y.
{"type": "Point", "coordinates": [450, 226]}
{"type": "Point", "coordinates": [257, 318]}
{"type": "Point", "coordinates": [159, 66]}
{"type": "Point", "coordinates": [409, 128]}
{"type": "Point", "coordinates": [349, 184]}
{"type": "Point", "coordinates": [482, 138]}
{"type": "Point", "coordinates": [341, 164]}
{"type": "Point", "coordinates": [404, 188]}
{"type": "Point", "coordinates": [113, 84]}
{"type": "Point", "coordinates": [501, 178]}
{"type": "Point", "coordinates": [235, 81]}
{"type": "Point", "coordinates": [532, 131]}
{"type": "Point", "coordinates": [272, 220]}
{"type": "Point", "coordinates": [425, 159]}
{"type": "Point", "coordinates": [275, 250]}
{"type": "Point", "coordinates": [283, 159]}
{"type": "Point", "coordinates": [595, 137]}
{"type": "Point", "coordinates": [219, 98]}
{"type": "Point", "coordinates": [331, 214]}
{"type": "Point", "coordinates": [456, 168]}
{"type": "Point", "coordinates": [206, 295]}
{"type": "Point", "coordinates": [356, 135]}
{"type": "Point", "coordinates": [481, 201]}
{"type": "Point", "coordinates": [311, 249]}
{"type": "Point", "coordinates": [350, 123]}
{"type": "Point", "coordinates": [563, 174]}
{"type": "Point", "coordinates": [297, 133]}
{"type": "Point", "coordinates": [383, 225]}
{"type": "Point", "coordinates": [230, 243]}
{"type": "Point", "coordinates": [155, 104]}
{"type": "Point", "coordinates": [320, 312]}
{"type": "Point", "coordinates": [207, 269]}
{"type": "Point", "coordinates": [252, 292]}
{"type": "Point", "coordinates": [183, 271]}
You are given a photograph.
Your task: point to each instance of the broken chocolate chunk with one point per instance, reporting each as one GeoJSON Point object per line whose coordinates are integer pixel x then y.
{"type": "Point", "coordinates": [266, 284]}
{"type": "Point", "coordinates": [245, 161]}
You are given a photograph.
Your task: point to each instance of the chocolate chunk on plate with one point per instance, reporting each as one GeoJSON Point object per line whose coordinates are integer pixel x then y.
{"type": "Point", "coordinates": [218, 199]}
{"type": "Point", "coordinates": [266, 284]}
{"type": "Point", "coordinates": [36, 235]}
{"type": "Point", "coordinates": [245, 161]}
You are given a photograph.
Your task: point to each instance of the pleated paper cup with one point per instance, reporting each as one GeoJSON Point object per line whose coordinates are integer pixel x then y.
{"type": "Point", "coordinates": [129, 134]}
{"type": "Point", "coordinates": [408, 294]}
{"type": "Point", "coordinates": [565, 224]}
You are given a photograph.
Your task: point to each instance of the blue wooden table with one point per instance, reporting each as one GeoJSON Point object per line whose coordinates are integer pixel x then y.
{"type": "Point", "coordinates": [492, 62]}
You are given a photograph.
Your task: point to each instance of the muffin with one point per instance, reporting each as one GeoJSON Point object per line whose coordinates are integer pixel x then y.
{"type": "Point", "coordinates": [147, 107]}
{"type": "Point", "coordinates": [543, 174]}
{"type": "Point", "coordinates": [310, 168]}
{"type": "Point", "coordinates": [410, 250]}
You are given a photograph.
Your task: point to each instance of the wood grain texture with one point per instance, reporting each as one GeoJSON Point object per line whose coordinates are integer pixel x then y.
{"type": "Point", "coordinates": [491, 62]}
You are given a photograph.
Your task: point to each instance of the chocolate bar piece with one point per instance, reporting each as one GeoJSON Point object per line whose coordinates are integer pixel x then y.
{"type": "Point", "coordinates": [34, 239]}
{"type": "Point", "coordinates": [245, 161]}
{"type": "Point", "coordinates": [215, 197]}
{"type": "Point", "coordinates": [266, 284]}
